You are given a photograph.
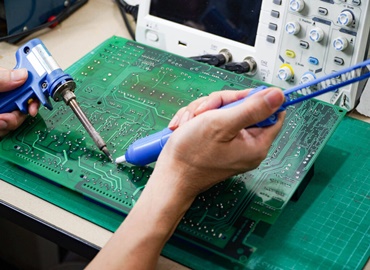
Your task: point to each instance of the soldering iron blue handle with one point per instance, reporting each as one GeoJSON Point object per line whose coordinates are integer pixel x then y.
{"type": "Point", "coordinates": [44, 76]}
{"type": "Point", "coordinates": [146, 150]}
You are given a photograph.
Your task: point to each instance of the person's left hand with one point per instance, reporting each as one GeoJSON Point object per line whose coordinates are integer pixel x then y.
{"type": "Point", "coordinates": [9, 80]}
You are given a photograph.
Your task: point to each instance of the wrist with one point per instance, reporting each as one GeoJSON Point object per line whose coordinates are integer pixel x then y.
{"type": "Point", "coordinates": [170, 185]}
{"type": "Point", "coordinates": [166, 194]}
{"type": "Point", "coordinates": [160, 207]}
{"type": "Point", "coordinates": [146, 229]}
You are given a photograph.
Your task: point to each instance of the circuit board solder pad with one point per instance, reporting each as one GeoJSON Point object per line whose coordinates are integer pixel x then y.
{"type": "Point", "coordinates": [128, 91]}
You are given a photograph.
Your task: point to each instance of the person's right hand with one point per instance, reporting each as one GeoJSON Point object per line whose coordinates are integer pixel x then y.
{"type": "Point", "coordinates": [209, 145]}
{"type": "Point", "coordinates": [202, 151]}
{"type": "Point", "coordinates": [9, 80]}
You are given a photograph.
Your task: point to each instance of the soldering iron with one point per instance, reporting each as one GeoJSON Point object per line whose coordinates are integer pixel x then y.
{"type": "Point", "coordinates": [146, 150]}
{"type": "Point", "coordinates": [45, 79]}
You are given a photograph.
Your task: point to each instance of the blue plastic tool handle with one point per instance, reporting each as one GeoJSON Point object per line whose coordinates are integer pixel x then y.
{"type": "Point", "coordinates": [334, 81]}
{"type": "Point", "coordinates": [146, 150]}
{"type": "Point", "coordinates": [44, 77]}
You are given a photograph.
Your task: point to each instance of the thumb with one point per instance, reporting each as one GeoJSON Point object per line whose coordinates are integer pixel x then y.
{"type": "Point", "coordinates": [254, 109]}
{"type": "Point", "coordinates": [11, 79]}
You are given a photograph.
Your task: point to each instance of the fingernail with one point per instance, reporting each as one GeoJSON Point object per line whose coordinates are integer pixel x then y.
{"type": "Point", "coordinates": [3, 124]}
{"type": "Point", "coordinates": [173, 122]}
{"type": "Point", "coordinates": [273, 99]}
{"type": "Point", "coordinates": [18, 74]}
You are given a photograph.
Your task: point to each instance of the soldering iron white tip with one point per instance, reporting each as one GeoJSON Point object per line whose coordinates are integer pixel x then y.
{"type": "Point", "coordinates": [121, 159]}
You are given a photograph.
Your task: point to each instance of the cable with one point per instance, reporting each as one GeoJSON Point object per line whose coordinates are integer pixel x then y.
{"type": "Point", "coordinates": [128, 9]}
{"type": "Point", "coordinates": [238, 67]}
{"type": "Point", "coordinates": [223, 60]}
{"type": "Point", "coordinates": [211, 59]}
{"type": "Point", "coordinates": [217, 60]}
{"type": "Point", "coordinates": [247, 66]}
{"type": "Point", "coordinates": [67, 11]}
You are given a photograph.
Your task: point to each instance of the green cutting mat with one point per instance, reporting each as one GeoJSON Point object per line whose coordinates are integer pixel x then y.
{"type": "Point", "coordinates": [328, 228]}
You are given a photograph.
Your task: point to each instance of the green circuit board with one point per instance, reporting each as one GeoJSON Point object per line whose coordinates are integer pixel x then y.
{"type": "Point", "coordinates": [128, 91]}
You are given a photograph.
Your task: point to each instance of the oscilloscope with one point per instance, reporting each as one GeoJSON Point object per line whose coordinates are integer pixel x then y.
{"type": "Point", "coordinates": [285, 42]}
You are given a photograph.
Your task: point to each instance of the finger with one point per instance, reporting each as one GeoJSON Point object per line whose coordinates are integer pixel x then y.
{"type": "Point", "coordinates": [174, 123]}
{"type": "Point", "coordinates": [269, 132]}
{"type": "Point", "coordinates": [185, 113]}
{"type": "Point", "coordinates": [214, 101]}
{"type": "Point", "coordinates": [11, 121]}
{"type": "Point", "coordinates": [253, 110]}
{"type": "Point", "coordinates": [219, 99]}
{"type": "Point", "coordinates": [3, 132]}
{"type": "Point", "coordinates": [274, 130]}
{"type": "Point", "coordinates": [11, 79]}
{"type": "Point", "coordinates": [189, 111]}
{"type": "Point", "coordinates": [33, 108]}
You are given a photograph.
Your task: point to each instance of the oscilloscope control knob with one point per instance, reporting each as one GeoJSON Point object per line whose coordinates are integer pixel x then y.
{"type": "Point", "coordinates": [317, 34]}
{"type": "Point", "coordinates": [307, 77]}
{"type": "Point", "coordinates": [292, 28]}
{"type": "Point", "coordinates": [296, 5]}
{"type": "Point", "coordinates": [346, 18]}
{"type": "Point", "coordinates": [285, 73]}
{"type": "Point", "coordinates": [340, 43]}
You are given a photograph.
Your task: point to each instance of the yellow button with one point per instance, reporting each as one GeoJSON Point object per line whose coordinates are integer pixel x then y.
{"type": "Point", "coordinates": [290, 53]}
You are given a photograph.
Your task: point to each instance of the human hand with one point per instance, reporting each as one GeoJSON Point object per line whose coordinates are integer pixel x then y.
{"type": "Point", "coordinates": [9, 80]}
{"type": "Point", "coordinates": [201, 152]}
{"type": "Point", "coordinates": [208, 146]}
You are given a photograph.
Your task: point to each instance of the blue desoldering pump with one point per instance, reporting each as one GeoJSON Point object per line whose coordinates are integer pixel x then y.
{"type": "Point", "coordinates": [147, 149]}
{"type": "Point", "coordinates": [45, 79]}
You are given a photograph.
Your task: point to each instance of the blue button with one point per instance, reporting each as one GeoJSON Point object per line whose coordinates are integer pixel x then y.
{"type": "Point", "coordinates": [313, 61]}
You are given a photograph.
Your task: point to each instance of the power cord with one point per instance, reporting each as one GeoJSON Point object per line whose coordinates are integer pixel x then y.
{"type": "Point", "coordinates": [67, 11]}
{"type": "Point", "coordinates": [131, 10]}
